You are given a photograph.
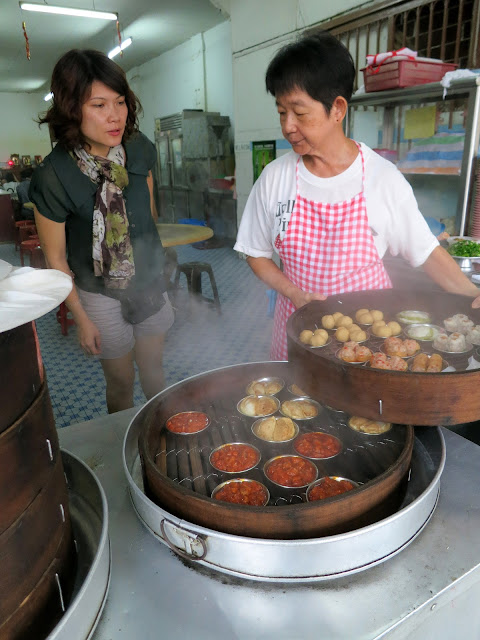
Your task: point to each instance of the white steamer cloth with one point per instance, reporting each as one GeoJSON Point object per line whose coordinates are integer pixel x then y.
{"type": "Point", "coordinates": [393, 214]}
{"type": "Point", "coordinates": [27, 294]}
{"type": "Point", "coordinates": [5, 268]}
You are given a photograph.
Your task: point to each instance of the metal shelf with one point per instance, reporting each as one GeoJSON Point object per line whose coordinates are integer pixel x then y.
{"type": "Point", "coordinates": [468, 88]}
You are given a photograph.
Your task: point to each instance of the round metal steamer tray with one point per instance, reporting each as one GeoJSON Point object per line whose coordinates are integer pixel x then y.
{"type": "Point", "coordinates": [296, 560]}
{"type": "Point", "coordinates": [89, 515]}
{"type": "Point", "coordinates": [393, 396]}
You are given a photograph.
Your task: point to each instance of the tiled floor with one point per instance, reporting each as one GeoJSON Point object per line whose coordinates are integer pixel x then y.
{"type": "Point", "coordinates": [200, 339]}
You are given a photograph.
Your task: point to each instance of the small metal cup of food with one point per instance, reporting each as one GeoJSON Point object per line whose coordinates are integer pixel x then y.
{"type": "Point", "coordinates": [368, 427]}
{"type": "Point", "coordinates": [258, 406]}
{"type": "Point", "coordinates": [318, 445]}
{"type": "Point", "coordinates": [353, 353]}
{"type": "Point", "coordinates": [329, 487]}
{"type": "Point", "coordinates": [267, 386]}
{"type": "Point", "coordinates": [290, 471]}
{"type": "Point", "coordinates": [295, 390]}
{"type": "Point", "coordinates": [187, 423]}
{"type": "Point", "coordinates": [301, 408]}
{"type": "Point", "coordinates": [234, 457]}
{"type": "Point", "coordinates": [428, 363]}
{"type": "Point", "coordinates": [424, 332]}
{"type": "Point", "coordinates": [413, 316]}
{"type": "Point", "coordinates": [275, 429]}
{"type": "Point", "coordinates": [242, 491]}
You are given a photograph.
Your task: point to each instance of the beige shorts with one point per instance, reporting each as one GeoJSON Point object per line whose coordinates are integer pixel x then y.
{"type": "Point", "coordinates": [116, 334]}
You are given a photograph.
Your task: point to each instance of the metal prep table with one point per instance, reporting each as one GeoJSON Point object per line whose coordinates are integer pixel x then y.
{"type": "Point", "coordinates": [430, 590]}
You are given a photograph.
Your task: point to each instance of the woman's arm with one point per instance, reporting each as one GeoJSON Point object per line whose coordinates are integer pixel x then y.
{"type": "Point", "coordinates": [443, 270]}
{"type": "Point", "coordinates": [153, 206]}
{"type": "Point", "coordinates": [266, 270]}
{"type": "Point", "coordinates": [52, 239]}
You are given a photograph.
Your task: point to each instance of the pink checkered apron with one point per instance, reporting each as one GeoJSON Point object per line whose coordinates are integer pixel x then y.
{"type": "Point", "coordinates": [328, 249]}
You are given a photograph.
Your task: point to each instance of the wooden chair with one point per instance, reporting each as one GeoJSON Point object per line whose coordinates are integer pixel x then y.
{"type": "Point", "coordinates": [23, 230]}
{"type": "Point", "coordinates": [28, 246]}
{"type": "Point", "coordinates": [37, 258]}
{"type": "Point", "coordinates": [7, 219]}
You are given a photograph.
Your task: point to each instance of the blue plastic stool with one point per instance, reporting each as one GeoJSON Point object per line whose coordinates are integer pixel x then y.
{"type": "Point", "coordinates": [194, 221]}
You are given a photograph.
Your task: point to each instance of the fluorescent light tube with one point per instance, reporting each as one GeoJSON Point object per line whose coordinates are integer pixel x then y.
{"type": "Point", "coordinates": [67, 11]}
{"type": "Point", "coordinates": [114, 52]}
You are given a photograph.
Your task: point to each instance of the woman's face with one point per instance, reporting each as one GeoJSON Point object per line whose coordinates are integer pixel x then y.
{"type": "Point", "coordinates": [305, 123]}
{"type": "Point", "coordinates": [104, 115]}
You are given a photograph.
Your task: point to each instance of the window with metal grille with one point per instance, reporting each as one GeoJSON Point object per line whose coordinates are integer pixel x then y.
{"type": "Point", "coordinates": [444, 29]}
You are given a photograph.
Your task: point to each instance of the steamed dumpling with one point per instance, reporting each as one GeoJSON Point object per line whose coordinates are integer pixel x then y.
{"type": "Point", "coordinates": [305, 336]}
{"type": "Point", "coordinates": [358, 336]}
{"type": "Point", "coordinates": [328, 322]}
{"type": "Point", "coordinates": [395, 327]}
{"type": "Point", "coordinates": [360, 313]}
{"type": "Point", "coordinates": [342, 334]}
{"type": "Point", "coordinates": [344, 321]}
{"type": "Point", "coordinates": [365, 318]}
{"type": "Point", "coordinates": [318, 339]}
{"type": "Point", "coordinates": [382, 331]}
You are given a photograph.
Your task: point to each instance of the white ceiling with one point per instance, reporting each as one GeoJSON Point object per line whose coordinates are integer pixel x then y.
{"type": "Point", "coordinates": [155, 26]}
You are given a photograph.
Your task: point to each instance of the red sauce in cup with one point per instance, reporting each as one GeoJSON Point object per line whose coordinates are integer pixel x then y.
{"type": "Point", "coordinates": [233, 458]}
{"type": "Point", "coordinates": [317, 445]}
{"type": "Point", "coordinates": [252, 493]}
{"type": "Point", "coordinates": [329, 487]}
{"type": "Point", "coordinates": [291, 471]}
{"type": "Point", "coordinates": [187, 422]}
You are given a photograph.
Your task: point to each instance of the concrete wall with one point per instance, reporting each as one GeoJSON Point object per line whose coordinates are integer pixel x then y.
{"type": "Point", "coordinates": [195, 75]}
{"type": "Point", "coordinates": [198, 74]}
{"type": "Point", "coordinates": [18, 131]}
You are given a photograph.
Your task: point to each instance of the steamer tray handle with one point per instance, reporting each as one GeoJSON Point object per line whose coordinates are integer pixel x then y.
{"type": "Point", "coordinates": [181, 552]}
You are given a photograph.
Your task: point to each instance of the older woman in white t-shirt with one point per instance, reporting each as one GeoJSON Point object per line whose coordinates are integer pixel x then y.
{"type": "Point", "coordinates": [331, 207]}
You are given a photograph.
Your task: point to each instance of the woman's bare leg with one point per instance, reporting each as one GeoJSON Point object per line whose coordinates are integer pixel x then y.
{"type": "Point", "coordinates": [120, 376]}
{"type": "Point", "coordinates": [149, 356]}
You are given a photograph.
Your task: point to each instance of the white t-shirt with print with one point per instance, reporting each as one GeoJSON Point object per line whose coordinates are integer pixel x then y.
{"type": "Point", "coordinates": [393, 214]}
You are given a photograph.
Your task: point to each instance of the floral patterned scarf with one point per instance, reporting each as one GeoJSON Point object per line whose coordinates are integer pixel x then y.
{"type": "Point", "coordinates": [111, 249]}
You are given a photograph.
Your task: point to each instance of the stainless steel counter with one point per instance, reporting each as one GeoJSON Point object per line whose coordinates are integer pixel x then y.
{"type": "Point", "coordinates": [430, 590]}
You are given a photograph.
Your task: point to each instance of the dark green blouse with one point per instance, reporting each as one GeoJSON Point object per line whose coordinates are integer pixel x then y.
{"type": "Point", "coordinates": [62, 193]}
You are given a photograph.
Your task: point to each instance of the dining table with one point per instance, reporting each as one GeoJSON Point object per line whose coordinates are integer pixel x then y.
{"type": "Point", "coordinates": [173, 235]}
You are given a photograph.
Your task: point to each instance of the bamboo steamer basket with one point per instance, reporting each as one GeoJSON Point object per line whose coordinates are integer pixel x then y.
{"type": "Point", "coordinates": [37, 552]}
{"type": "Point", "coordinates": [21, 373]}
{"type": "Point", "coordinates": [429, 399]}
{"type": "Point", "coordinates": [217, 393]}
{"type": "Point", "coordinates": [28, 453]}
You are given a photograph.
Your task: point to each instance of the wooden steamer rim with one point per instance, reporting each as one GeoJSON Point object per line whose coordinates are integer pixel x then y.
{"type": "Point", "coordinates": [367, 504]}
{"type": "Point", "coordinates": [427, 399]}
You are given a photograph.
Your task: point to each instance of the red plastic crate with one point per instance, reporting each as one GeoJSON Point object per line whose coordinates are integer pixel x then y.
{"type": "Point", "coordinates": [395, 74]}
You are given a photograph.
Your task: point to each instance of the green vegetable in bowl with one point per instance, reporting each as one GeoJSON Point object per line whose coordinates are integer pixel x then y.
{"type": "Point", "coordinates": [465, 249]}
{"type": "Point", "coordinates": [413, 317]}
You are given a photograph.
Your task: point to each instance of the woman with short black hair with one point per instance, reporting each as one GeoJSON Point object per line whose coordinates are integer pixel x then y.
{"type": "Point", "coordinates": [331, 207]}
